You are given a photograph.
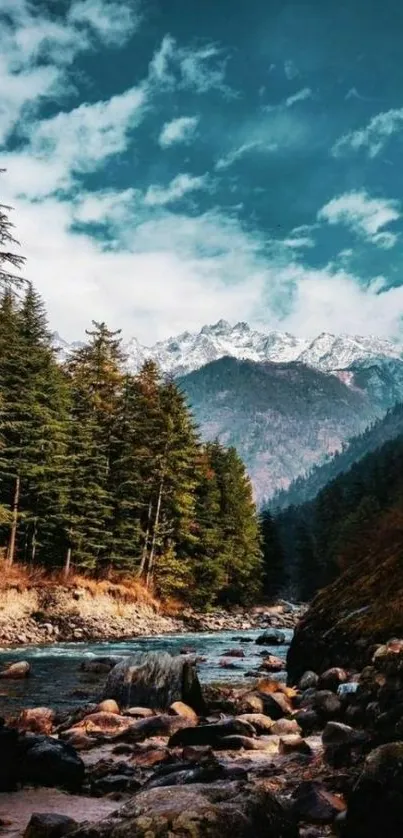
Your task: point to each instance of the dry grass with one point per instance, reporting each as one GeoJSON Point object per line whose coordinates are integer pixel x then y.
{"type": "Point", "coordinates": [121, 587]}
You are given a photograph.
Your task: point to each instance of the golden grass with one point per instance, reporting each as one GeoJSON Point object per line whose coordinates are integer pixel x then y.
{"type": "Point", "coordinates": [121, 587]}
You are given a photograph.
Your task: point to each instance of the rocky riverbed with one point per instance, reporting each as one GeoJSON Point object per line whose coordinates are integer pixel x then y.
{"type": "Point", "coordinates": [165, 756]}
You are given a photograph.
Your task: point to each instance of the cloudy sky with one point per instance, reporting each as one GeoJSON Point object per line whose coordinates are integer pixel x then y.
{"type": "Point", "coordinates": [172, 162]}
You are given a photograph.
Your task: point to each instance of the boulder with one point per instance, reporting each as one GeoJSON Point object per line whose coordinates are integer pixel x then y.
{"type": "Point", "coordinates": [308, 720]}
{"type": "Point", "coordinates": [269, 744]}
{"type": "Point", "coordinates": [314, 804]}
{"type": "Point", "coordinates": [327, 704]}
{"type": "Point", "coordinates": [102, 722]}
{"type": "Point", "coordinates": [108, 706]}
{"type": "Point", "coordinates": [234, 653]}
{"type": "Point", "coordinates": [294, 744]}
{"type": "Point", "coordinates": [44, 825]}
{"type": "Point", "coordinates": [9, 762]}
{"type": "Point", "coordinates": [332, 678]}
{"type": "Point", "coordinates": [178, 708]}
{"type": "Point", "coordinates": [260, 722]}
{"type": "Point", "coordinates": [50, 762]}
{"type": "Point", "coordinates": [276, 705]}
{"type": "Point", "coordinates": [100, 665]}
{"type": "Point", "coordinates": [161, 724]}
{"type": "Point", "coordinates": [271, 637]}
{"type": "Point", "coordinates": [216, 810]}
{"type": "Point", "coordinates": [16, 671]}
{"type": "Point", "coordinates": [36, 720]}
{"type": "Point", "coordinates": [272, 664]}
{"type": "Point", "coordinates": [138, 712]}
{"type": "Point", "coordinates": [286, 727]}
{"type": "Point", "coordinates": [375, 806]}
{"type": "Point", "coordinates": [308, 680]}
{"type": "Point", "coordinates": [155, 680]}
{"type": "Point", "coordinates": [210, 734]}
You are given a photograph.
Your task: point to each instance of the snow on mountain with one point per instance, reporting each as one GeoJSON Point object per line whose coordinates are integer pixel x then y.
{"type": "Point", "coordinates": [190, 351]}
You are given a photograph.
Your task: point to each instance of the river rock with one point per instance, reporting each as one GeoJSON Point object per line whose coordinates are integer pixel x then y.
{"type": "Point", "coordinates": [100, 665]}
{"type": "Point", "coordinates": [271, 637]}
{"type": "Point", "coordinates": [272, 664]}
{"type": "Point", "coordinates": [332, 678]}
{"type": "Point", "coordinates": [246, 743]}
{"type": "Point", "coordinates": [276, 705]}
{"type": "Point", "coordinates": [375, 806]}
{"type": "Point", "coordinates": [307, 719]}
{"type": "Point", "coordinates": [109, 706]}
{"type": "Point", "coordinates": [50, 762]}
{"type": "Point", "coordinates": [234, 653]}
{"type": "Point", "coordinates": [156, 681]}
{"type": "Point", "coordinates": [308, 680]}
{"type": "Point", "coordinates": [292, 743]}
{"type": "Point", "coordinates": [16, 671]}
{"type": "Point", "coordinates": [286, 727]}
{"type": "Point", "coordinates": [44, 825]}
{"type": "Point", "coordinates": [36, 720]}
{"type": "Point", "coordinates": [210, 734]}
{"type": "Point", "coordinates": [327, 704]}
{"type": "Point", "coordinates": [314, 804]}
{"type": "Point", "coordinates": [178, 708]}
{"type": "Point", "coordinates": [260, 722]}
{"type": "Point", "coordinates": [217, 810]}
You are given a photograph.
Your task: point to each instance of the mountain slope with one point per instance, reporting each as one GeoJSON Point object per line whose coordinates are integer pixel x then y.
{"type": "Point", "coordinates": [282, 418]}
{"type": "Point", "coordinates": [306, 488]}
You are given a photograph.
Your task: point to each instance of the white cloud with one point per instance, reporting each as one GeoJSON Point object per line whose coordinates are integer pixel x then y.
{"type": "Point", "coordinates": [305, 93]}
{"type": "Point", "coordinates": [37, 49]}
{"type": "Point", "coordinates": [105, 207]}
{"type": "Point", "coordinates": [291, 70]}
{"type": "Point", "coordinates": [364, 215]}
{"type": "Point", "coordinates": [181, 130]}
{"type": "Point", "coordinates": [237, 153]}
{"type": "Point", "coordinates": [297, 243]}
{"type": "Point", "coordinates": [373, 137]}
{"type": "Point", "coordinates": [195, 68]}
{"type": "Point", "coordinates": [180, 186]}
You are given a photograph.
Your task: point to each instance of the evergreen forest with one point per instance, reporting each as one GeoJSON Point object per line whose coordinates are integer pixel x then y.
{"type": "Point", "coordinates": [103, 471]}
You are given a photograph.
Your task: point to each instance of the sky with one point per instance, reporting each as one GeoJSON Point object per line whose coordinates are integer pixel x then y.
{"type": "Point", "coordinates": [174, 162]}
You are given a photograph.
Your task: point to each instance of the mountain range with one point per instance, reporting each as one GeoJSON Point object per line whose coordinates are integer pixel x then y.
{"type": "Point", "coordinates": [191, 350]}
{"type": "Point", "coordinates": [286, 403]}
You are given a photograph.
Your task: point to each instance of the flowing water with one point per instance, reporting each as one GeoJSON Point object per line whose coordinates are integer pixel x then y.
{"type": "Point", "coordinates": [57, 681]}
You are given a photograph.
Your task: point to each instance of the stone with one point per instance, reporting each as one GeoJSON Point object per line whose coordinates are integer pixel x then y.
{"type": "Point", "coordinates": [9, 762]}
{"type": "Point", "coordinates": [276, 705]}
{"type": "Point", "coordinates": [102, 722]}
{"type": "Point", "coordinates": [251, 703]}
{"type": "Point", "coordinates": [294, 744]}
{"type": "Point", "coordinates": [234, 653]}
{"type": "Point", "coordinates": [44, 825]}
{"type": "Point", "coordinates": [210, 734]}
{"type": "Point", "coordinates": [100, 665]}
{"type": "Point", "coordinates": [50, 762]}
{"type": "Point", "coordinates": [286, 727]}
{"type": "Point", "coordinates": [314, 804]}
{"type": "Point", "coordinates": [260, 722]}
{"type": "Point", "coordinates": [375, 805]}
{"type": "Point", "coordinates": [272, 664]}
{"type": "Point", "coordinates": [109, 706]}
{"type": "Point", "coordinates": [308, 680]}
{"type": "Point", "coordinates": [155, 680]}
{"type": "Point", "coordinates": [246, 743]}
{"type": "Point", "coordinates": [214, 810]}
{"type": "Point", "coordinates": [16, 671]}
{"type": "Point", "coordinates": [332, 678]}
{"type": "Point", "coordinates": [178, 708]}
{"type": "Point", "coordinates": [308, 720]}
{"type": "Point", "coordinates": [138, 712]}
{"type": "Point", "coordinates": [36, 720]}
{"type": "Point", "coordinates": [327, 704]}
{"type": "Point", "coordinates": [271, 637]}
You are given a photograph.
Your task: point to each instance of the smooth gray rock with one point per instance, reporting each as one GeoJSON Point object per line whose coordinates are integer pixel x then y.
{"type": "Point", "coordinates": [154, 680]}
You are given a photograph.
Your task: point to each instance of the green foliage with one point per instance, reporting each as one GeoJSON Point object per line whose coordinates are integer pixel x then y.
{"type": "Point", "coordinates": [104, 471]}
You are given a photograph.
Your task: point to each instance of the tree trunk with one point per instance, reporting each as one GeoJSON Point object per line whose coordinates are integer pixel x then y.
{"type": "Point", "coordinates": [33, 545]}
{"type": "Point", "coordinates": [67, 563]}
{"type": "Point", "coordinates": [13, 533]}
{"type": "Point", "coordinates": [147, 536]}
{"type": "Point", "coordinates": [155, 530]}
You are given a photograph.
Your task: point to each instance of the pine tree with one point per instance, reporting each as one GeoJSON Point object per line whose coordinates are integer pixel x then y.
{"type": "Point", "coordinates": [209, 573]}
{"type": "Point", "coordinates": [9, 260]}
{"type": "Point", "coordinates": [274, 573]}
{"type": "Point", "coordinates": [96, 380]}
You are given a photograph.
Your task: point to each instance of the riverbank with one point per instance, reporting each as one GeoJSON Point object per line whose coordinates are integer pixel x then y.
{"type": "Point", "coordinates": [253, 759]}
{"type": "Point", "coordinates": [48, 612]}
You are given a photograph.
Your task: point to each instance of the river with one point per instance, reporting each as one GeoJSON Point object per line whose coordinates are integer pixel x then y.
{"type": "Point", "coordinates": [57, 681]}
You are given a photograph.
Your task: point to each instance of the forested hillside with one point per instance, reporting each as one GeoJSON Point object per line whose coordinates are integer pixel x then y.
{"type": "Point", "coordinates": [336, 530]}
{"type": "Point", "coordinates": [306, 488]}
{"type": "Point", "coordinates": [282, 418]}
{"type": "Point", "coordinates": [104, 471]}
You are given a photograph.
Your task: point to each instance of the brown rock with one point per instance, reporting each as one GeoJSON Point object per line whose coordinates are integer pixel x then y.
{"type": "Point", "coordinates": [313, 803]}
{"type": "Point", "coordinates": [277, 705]}
{"type": "Point", "coordinates": [286, 727]}
{"type": "Point", "coordinates": [109, 705]}
{"type": "Point", "coordinates": [294, 744]}
{"type": "Point", "coordinates": [251, 703]}
{"type": "Point", "coordinates": [16, 671]}
{"type": "Point", "coordinates": [332, 678]}
{"type": "Point", "coordinates": [103, 722]}
{"type": "Point", "coordinates": [178, 708]}
{"type": "Point", "coordinates": [260, 722]}
{"type": "Point", "coordinates": [36, 720]}
{"type": "Point", "coordinates": [272, 664]}
{"type": "Point", "coordinates": [138, 712]}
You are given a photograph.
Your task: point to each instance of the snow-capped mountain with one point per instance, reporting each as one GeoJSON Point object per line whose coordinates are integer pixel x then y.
{"type": "Point", "coordinates": [190, 351]}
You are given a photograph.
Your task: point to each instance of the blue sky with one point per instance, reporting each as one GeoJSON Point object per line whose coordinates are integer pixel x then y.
{"type": "Point", "coordinates": [173, 162]}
